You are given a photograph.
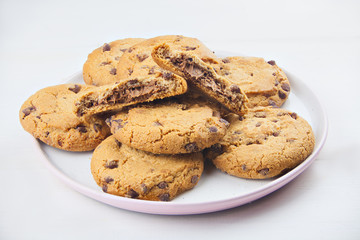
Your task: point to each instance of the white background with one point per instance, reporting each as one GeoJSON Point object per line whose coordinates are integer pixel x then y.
{"type": "Point", "coordinates": [43, 42]}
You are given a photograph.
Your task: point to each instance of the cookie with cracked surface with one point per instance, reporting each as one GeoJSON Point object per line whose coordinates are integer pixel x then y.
{"type": "Point", "coordinates": [128, 92]}
{"type": "Point", "coordinates": [137, 61]}
{"type": "Point", "coordinates": [48, 115]}
{"type": "Point", "coordinates": [203, 76]}
{"type": "Point", "coordinates": [124, 171]}
{"type": "Point", "coordinates": [100, 66]}
{"type": "Point", "coordinates": [168, 128]}
{"type": "Point", "coordinates": [264, 143]}
{"type": "Point", "coordinates": [264, 83]}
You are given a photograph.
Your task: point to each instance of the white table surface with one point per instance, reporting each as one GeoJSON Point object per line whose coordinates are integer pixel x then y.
{"type": "Point", "coordinates": [42, 42]}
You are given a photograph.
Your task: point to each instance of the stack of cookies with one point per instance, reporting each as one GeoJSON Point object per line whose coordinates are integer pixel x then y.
{"type": "Point", "coordinates": [153, 110]}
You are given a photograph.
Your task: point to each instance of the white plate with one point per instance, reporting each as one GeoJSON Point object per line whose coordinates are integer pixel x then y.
{"type": "Point", "coordinates": [74, 169]}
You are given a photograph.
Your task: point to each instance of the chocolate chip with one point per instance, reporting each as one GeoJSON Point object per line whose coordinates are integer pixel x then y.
{"type": "Point", "coordinates": [75, 89]}
{"type": "Point", "coordinates": [144, 188]}
{"type": "Point", "coordinates": [276, 83]}
{"type": "Point", "coordinates": [112, 164]}
{"type": "Point", "coordinates": [152, 70]}
{"type": "Point", "coordinates": [260, 115]}
{"type": "Point", "coordinates": [106, 47]}
{"type": "Point", "coordinates": [274, 73]}
{"type": "Point", "coordinates": [108, 179]}
{"type": "Point", "coordinates": [187, 48]}
{"type": "Point", "coordinates": [243, 167]}
{"type": "Point", "coordinates": [290, 140]}
{"type": "Point", "coordinates": [258, 124]}
{"type": "Point", "coordinates": [164, 197]}
{"type": "Point", "coordinates": [264, 171]}
{"type": "Point", "coordinates": [133, 81]}
{"type": "Point", "coordinates": [281, 94]}
{"type": "Point", "coordinates": [167, 75]}
{"type": "Point", "coordinates": [81, 128]}
{"type": "Point", "coordinates": [118, 143]}
{"type": "Point", "coordinates": [117, 58]}
{"type": "Point", "coordinates": [132, 193]}
{"type": "Point", "coordinates": [118, 123]}
{"type": "Point", "coordinates": [192, 147]}
{"type": "Point", "coordinates": [104, 63]}
{"type": "Point", "coordinates": [275, 134]}
{"type": "Point", "coordinates": [213, 129]}
{"type": "Point", "coordinates": [216, 114]}
{"type": "Point", "coordinates": [225, 60]}
{"type": "Point", "coordinates": [157, 123]}
{"type": "Point", "coordinates": [130, 71]}
{"type": "Point", "coordinates": [271, 62]}
{"type": "Point", "coordinates": [237, 132]}
{"type": "Point", "coordinates": [272, 103]}
{"type": "Point", "coordinates": [130, 49]}
{"type": "Point", "coordinates": [97, 127]}
{"type": "Point", "coordinates": [285, 87]}
{"type": "Point", "coordinates": [123, 49]}
{"type": "Point", "coordinates": [113, 71]}
{"type": "Point", "coordinates": [162, 185]}
{"type": "Point", "coordinates": [225, 122]}
{"type": "Point", "coordinates": [28, 110]}
{"type": "Point", "coordinates": [142, 57]}
{"type": "Point", "coordinates": [104, 187]}
{"type": "Point", "coordinates": [294, 115]}
{"type": "Point", "coordinates": [235, 88]}
{"type": "Point", "coordinates": [251, 74]}
{"type": "Point", "coordinates": [218, 148]}
{"type": "Point", "coordinates": [241, 118]}
{"type": "Point", "coordinates": [47, 134]}
{"type": "Point", "coordinates": [194, 179]}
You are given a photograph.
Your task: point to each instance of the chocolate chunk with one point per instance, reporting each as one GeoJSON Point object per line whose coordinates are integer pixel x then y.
{"type": "Point", "coordinates": [164, 197]}
{"type": "Point", "coordinates": [213, 129]}
{"type": "Point", "coordinates": [260, 115]}
{"type": "Point", "coordinates": [75, 89]}
{"type": "Point", "coordinates": [167, 75]}
{"type": "Point", "coordinates": [108, 179]}
{"type": "Point", "coordinates": [28, 110]}
{"type": "Point", "coordinates": [118, 143]}
{"type": "Point", "coordinates": [243, 167]}
{"type": "Point", "coordinates": [162, 185]}
{"type": "Point", "coordinates": [294, 115]}
{"type": "Point", "coordinates": [225, 60]}
{"type": "Point", "coordinates": [271, 62]}
{"type": "Point", "coordinates": [264, 171]}
{"type": "Point", "coordinates": [142, 57]}
{"type": "Point", "coordinates": [81, 128]}
{"type": "Point", "coordinates": [235, 88]}
{"type": "Point", "coordinates": [281, 94]}
{"type": "Point", "coordinates": [104, 188]}
{"type": "Point", "coordinates": [194, 179]}
{"type": "Point", "coordinates": [112, 164]}
{"type": "Point", "coordinates": [285, 87]}
{"type": "Point", "coordinates": [192, 147]}
{"type": "Point", "coordinates": [225, 122]}
{"type": "Point", "coordinates": [157, 123]}
{"type": "Point", "coordinates": [97, 127]}
{"type": "Point", "coordinates": [187, 48]}
{"type": "Point", "coordinates": [258, 124]}
{"type": "Point", "coordinates": [113, 71]}
{"type": "Point", "coordinates": [132, 193]}
{"type": "Point", "coordinates": [144, 188]}
{"type": "Point", "coordinates": [106, 47]}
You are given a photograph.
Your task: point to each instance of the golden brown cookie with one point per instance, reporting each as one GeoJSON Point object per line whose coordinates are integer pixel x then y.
{"type": "Point", "coordinates": [137, 61]}
{"type": "Point", "coordinates": [100, 66]}
{"type": "Point", "coordinates": [264, 83]}
{"type": "Point", "coordinates": [264, 143]}
{"type": "Point", "coordinates": [168, 127]}
{"type": "Point", "coordinates": [48, 115]}
{"type": "Point", "coordinates": [124, 171]}
{"type": "Point", "coordinates": [201, 75]}
{"type": "Point", "coordinates": [128, 92]}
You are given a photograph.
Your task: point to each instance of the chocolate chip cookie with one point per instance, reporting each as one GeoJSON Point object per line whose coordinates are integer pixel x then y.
{"type": "Point", "coordinates": [202, 75]}
{"type": "Point", "coordinates": [264, 83]}
{"type": "Point", "coordinates": [128, 92]}
{"type": "Point", "coordinates": [168, 128]}
{"type": "Point", "coordinates": [263, 143]}
{"type": "Point", "coordinates": [100, 66]}
{"type": "Point", "coordinates": [48, 115]}
{"type": "Point", "coordinates": [124, 171]}
{"type": "Point", "coordinates": [137, 60]}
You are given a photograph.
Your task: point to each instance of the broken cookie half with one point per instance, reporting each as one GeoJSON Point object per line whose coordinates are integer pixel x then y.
{"type": "Point", "coordinates": [128, 92]}
{"type": "Point", "coordinates": [203, 76]}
